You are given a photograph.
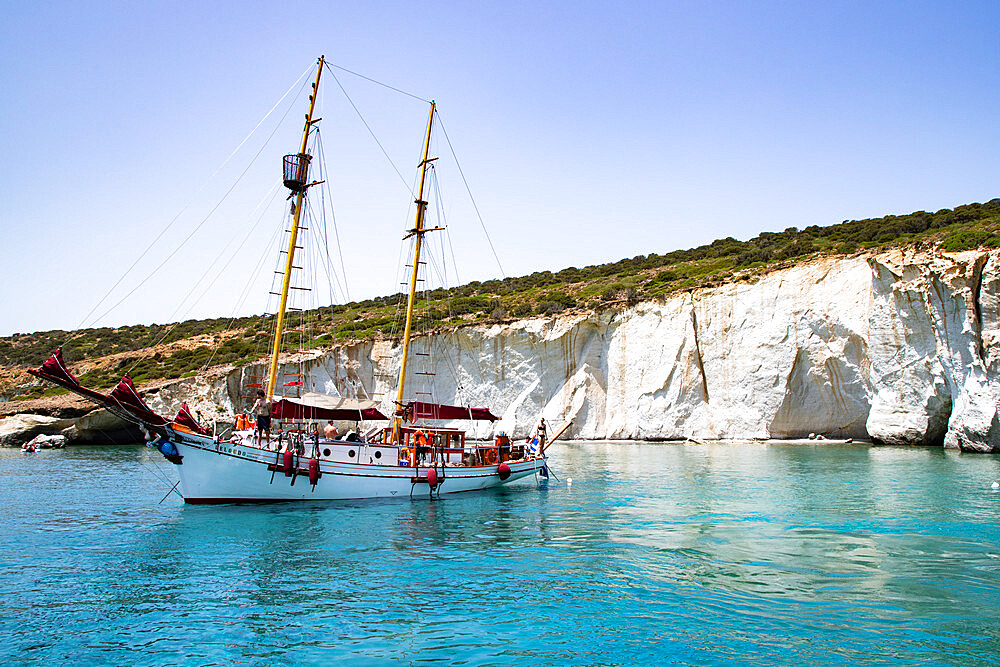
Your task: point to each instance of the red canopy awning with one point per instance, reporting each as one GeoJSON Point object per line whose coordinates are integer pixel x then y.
{"type": "Point", "coordinates": [420, 410]}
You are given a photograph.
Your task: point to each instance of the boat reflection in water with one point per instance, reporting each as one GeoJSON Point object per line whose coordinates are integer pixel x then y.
{"type": "Point", "coordinates": [658, 553]}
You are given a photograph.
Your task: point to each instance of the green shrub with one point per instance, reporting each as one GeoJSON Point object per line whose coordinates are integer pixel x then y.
{"type": "Point", "coordinates": [969, 240]}
{"type": "Point", "coordinates": [962, 228]}
{"type": "Point", "coordinates": [550, 307]}
{"type": "Point", "coordinates": [520, 310]}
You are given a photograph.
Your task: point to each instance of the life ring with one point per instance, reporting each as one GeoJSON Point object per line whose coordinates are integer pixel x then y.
{"type": "Point", "coordinates": [491, 456]}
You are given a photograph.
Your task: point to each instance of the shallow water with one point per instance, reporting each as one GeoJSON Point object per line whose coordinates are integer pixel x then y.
{"type": "Point", "coordinates": [656, 553]}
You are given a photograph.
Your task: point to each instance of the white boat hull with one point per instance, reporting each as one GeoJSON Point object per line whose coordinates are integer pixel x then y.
{"type": "Point", "coordinates": [224, 472]}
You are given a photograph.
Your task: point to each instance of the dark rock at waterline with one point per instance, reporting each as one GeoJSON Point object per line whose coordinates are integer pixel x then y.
{"type": "Point", "coordinates": [18, 430]}
{"type": "Point", "coordinates": [96, 427]}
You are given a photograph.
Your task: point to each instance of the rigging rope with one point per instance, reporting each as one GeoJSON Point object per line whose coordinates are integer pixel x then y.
{"type": "Point", "coordinates": [309, 215]}
{"type": "Point", "coordinates": [270, 195]}
{"type": "Point", "coordinates": [200, 224]}
{"type": "Point", "coordinates": [384, 85]}
{"type": "Point", "coordinates": [469, 190]}
{"type": "Point", "coordinates": [333, 215]}
{"type": "Point", "coordinates": [371, 132]}
{"type": "Point", "coordinates": [188, 204]}
{"type": "Point", "coordinates": [268, 249]}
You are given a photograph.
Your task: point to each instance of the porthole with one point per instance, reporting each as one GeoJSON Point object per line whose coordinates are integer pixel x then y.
{"type": "Point", "coordinates": [350, 454]}
{"type": "Point", "coordinates": [326, 452]}
{"type": "Point", "coordinates": [378, 454]}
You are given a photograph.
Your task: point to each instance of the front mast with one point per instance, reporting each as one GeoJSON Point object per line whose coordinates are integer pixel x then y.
{"type": "Point", "coordinates": [293, 237]}
{"type": "Point", "coordinates": [418, 230]}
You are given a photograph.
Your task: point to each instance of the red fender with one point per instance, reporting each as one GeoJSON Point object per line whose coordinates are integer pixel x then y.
{"type": "Point", "coordinates": [313, 471]}
{"type": "Point", "coordinates": [432, 478]}
{"type": "Point", "coordinates": [286, 462]}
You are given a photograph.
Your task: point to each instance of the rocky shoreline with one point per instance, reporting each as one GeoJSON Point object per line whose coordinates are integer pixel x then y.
{"type": "Point", "coordinates": [899, 347]}
{"type": "Point", "coordinates": [95, 427]}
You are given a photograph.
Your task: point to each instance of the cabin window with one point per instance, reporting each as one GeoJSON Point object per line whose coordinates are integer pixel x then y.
{"type": "Point", "coordinates": [378, 454]}
{"type": "Point", "coordinates": [350, 454]}
{"type": "Point", "coordinates": [326, 452]}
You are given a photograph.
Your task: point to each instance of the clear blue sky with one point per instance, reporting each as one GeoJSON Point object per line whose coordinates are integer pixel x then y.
{"type": "Point", "coordinates": [589, 131]}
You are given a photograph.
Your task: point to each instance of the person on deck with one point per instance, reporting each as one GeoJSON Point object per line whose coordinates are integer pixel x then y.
{"type": "Point", "coordinates": [262, 411]}
{"type": "Point", "coordinates": [330, 431]}
{"type": "Point", "coordinates": [423, 445]}
{"type": "Point", "coordinates": [540, 432]}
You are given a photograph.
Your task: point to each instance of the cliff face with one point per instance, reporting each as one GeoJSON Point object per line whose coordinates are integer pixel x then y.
{"type": "Point", "coordinates": [900, 347]}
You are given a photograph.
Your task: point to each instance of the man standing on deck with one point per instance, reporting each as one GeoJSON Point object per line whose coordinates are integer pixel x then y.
{"type": "Point", "coordinates": [262, 411]}
{"type": "Point", "coordinates": [330, 431]}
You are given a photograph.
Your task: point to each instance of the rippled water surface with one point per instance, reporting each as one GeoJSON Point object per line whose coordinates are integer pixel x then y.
{"type": "Point", "coordinates": [656, 553]}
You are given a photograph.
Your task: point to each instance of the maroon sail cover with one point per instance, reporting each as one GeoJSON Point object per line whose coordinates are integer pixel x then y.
{"type": "Point", "coordinates": [420, 410]}
{"type": "Point", "coordinates": [56, 368]}
{"type": "Point", "coordinates": [127, 394]}
{"type": "Point", "coordinates": [185, 418]}
{"type": "Point", "coordinates": [128, 397]}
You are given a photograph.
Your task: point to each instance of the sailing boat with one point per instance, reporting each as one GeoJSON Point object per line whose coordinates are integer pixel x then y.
{"type": "Point", "coordinates": [408, 456]}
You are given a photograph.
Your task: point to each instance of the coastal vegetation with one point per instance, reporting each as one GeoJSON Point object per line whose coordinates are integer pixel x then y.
{"type": "Point", "coordinates": [150, 352]}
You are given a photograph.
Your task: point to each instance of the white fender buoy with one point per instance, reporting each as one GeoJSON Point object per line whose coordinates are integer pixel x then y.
{"type": "Point", "coordinates": [995, 486]}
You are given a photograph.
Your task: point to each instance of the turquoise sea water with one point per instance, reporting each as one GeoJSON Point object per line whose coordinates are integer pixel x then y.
{"type": "Point", "coordinates": [775, 553]}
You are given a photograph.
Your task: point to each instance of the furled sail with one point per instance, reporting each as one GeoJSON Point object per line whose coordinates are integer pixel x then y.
{"type": "Point", "coordinates": [124, 400]}
{"type": "Point", "coordinates": [185, 418]}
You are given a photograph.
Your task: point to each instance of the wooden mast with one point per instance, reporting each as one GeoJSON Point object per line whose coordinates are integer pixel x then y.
{"type": "Point", "coordinates": [418, 230]}
{"type": "Point", "coordinates": [293, 237]}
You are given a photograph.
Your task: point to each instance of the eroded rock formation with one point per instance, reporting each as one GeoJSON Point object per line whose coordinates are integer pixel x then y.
{"type": "Point", "coordinates": [900, 347]}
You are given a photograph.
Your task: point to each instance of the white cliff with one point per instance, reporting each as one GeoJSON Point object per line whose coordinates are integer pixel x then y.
{"type": "Point", "coordinates": [901, 347]}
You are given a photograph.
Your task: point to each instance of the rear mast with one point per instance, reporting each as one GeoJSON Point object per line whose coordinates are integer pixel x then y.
{"type": "Point", "coordinates": [296, 175]}
{"type": "Point", "coordinates": [418, 230]}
